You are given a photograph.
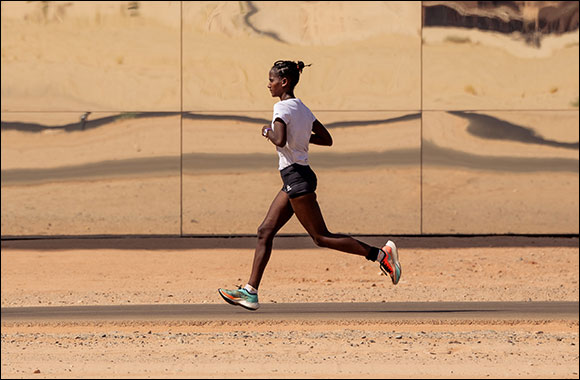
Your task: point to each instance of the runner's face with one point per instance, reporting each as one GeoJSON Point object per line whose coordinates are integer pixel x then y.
{"type": "Point", "coordinates": [276, 84]}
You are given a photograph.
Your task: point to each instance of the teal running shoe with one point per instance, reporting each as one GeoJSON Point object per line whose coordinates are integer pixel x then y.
{"type": "Point", "coordinates": [240, 297]}
{"type": "Point", "coordinates": [390, 264]}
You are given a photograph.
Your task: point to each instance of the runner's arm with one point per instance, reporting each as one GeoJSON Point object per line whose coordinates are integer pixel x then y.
{"type": "Point", "coordinates": [277, 135]}
{"type": "Point", "coordinates": [320, 135]}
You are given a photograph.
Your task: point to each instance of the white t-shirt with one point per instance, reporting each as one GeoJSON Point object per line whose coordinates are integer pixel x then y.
{"type": "Point", "coordinates": [298, 119]}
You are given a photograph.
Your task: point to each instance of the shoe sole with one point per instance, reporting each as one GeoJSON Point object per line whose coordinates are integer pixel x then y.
{"type": "Point", "coordinates": [395, 256]}
{"type": "Point", "coordinates": [239, 302]}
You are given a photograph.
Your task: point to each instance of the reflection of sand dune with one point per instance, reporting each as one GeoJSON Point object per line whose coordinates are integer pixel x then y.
{"type": "Point", "coordinates": [110, 138]}
{"type": "Point", "coordinates": [89, 12]}
{"type": "Point", "coordinates": [109, 56]}
{"type": "Point", "coordinates": [202, 163]}
{"type": "Point", "coordinates": [451, 158]}
{"type": "Point", "coordinates": [207, 163]}
{"type": "Point", "coordinates": [483, 70]}
{"type": "Point", "coordinates": [305, 22]}
{"type": "Point", "coordinates": [94, 56]}
{"type": "Point", "coordinates": [207, 150]}
{"type": "Point", "coordinates": [513, 44]}
{"type": "Point", "coordinates": [322, 23]}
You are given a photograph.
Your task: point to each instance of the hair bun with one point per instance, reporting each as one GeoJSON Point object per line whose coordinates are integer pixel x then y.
{"type": "Point", "coordinates": [301, 66]}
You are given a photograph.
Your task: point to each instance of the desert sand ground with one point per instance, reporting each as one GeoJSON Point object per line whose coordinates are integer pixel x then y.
{"type": "Point", "coordinates": [447, 269]}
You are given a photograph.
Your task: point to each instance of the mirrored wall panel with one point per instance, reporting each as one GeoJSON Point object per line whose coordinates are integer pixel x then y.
{"type": "Point", "coordinates": [500, 172]}
{"type": "Point", "coordinates": [90, 173]}
{"type": "Point", "coordinates": [364, 55]}
{"type": "Point", "coordinates": [368, 181]}
{"type": "Point", "coordinates": [90, 55]}
{"type": "Point", "coordinates": [489, 55]}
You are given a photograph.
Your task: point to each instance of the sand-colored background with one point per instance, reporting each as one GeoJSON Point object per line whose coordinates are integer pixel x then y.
{"type": "Point", "coordinates": [371, 61]}
{"type": "Point", "coordinates": [138, 60]}
{"type": "Point", "coordinates": [385, 87]}
{"type": "Point", "coordinates": [130, 175]}
{"type": "Point", "coordinates": [471, 69]}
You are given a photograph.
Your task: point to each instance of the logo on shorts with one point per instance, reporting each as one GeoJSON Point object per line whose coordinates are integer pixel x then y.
{"type": "Point", "coordinates": [288, 187]}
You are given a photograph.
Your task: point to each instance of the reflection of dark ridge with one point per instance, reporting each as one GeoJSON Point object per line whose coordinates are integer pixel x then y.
{"type": "Point", "coordinates": [491, 128]}
{"type": "Point", "coordinates": [438, 156]}
{"type": "Point", "coordinates": [245, 119]}
{"type": "Point", "coordinates": [84, 124]}
{"type": "Point", "coordinates": [442, 15]}
{"type": "Point", "coordinates": [336, 124]}
{"type": "Point", "coordinates": [128, 168]}
{"type": "Point", "coordinates": [200, 163]}
{"type": "Point", "coordinates": [211, 163]}
{"type": "Point", "coordinates": [360, 123]}
{"type": "Point", "coordinates": [503, 16]}
{"type": "Point", "coordinates": [253, 11]}
{"type": "Point", "coordinates": [207, 162]}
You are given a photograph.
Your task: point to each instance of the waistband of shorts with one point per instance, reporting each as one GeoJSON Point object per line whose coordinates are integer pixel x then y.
{"type": "Point", "coordinates": [294, 166]}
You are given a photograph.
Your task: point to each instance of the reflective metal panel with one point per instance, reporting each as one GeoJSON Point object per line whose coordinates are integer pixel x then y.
{"type": "Point", "coordinates": [230, 174]}
{"type": "Point", "coordinates": [90, 55]}
{"type": "Point", "coordinates": [500, 55]}
{"type": "Point", "coordinates": [90, 173]}
{"type": "Point", "coordinates": [364, 55]}
{"type": "Point", "coordinates": [500, 172]}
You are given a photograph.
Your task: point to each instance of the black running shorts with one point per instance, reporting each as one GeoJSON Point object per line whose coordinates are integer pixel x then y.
{"type": "Point", "coordinates": [298, 180]}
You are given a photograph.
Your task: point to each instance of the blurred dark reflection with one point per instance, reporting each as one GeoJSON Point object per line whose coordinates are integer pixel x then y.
{"type": "Point", "coordinates": [500, 172]}
{"type": "Point", "coordinates": [543, 17]}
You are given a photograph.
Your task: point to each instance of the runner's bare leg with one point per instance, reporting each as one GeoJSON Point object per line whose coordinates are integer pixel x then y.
{"type": "Point", "coordinates": [278, 215]}
{"type": "Point", "coordinates": [308, 213]}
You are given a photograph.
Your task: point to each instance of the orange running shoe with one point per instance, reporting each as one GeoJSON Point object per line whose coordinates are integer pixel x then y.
{"type": "Point", "coordinates": [390, 264]}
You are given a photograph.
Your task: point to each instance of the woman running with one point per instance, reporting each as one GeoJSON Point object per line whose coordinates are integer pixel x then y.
{"type": "Point", "coordinates": [293, 128]}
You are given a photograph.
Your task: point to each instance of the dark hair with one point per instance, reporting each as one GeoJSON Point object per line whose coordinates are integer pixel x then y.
{"type": "Point", "coordinates": [290, 70]}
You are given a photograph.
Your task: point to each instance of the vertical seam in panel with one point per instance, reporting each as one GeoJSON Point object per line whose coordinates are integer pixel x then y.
{"type": "Point", "coordinates": [421, 133]}
{"type": "Point", "coordinates": [181, 118]}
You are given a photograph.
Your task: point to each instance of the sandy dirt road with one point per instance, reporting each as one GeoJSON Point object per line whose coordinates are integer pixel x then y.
{"type": "Point", "coordinates": [316, 346]}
